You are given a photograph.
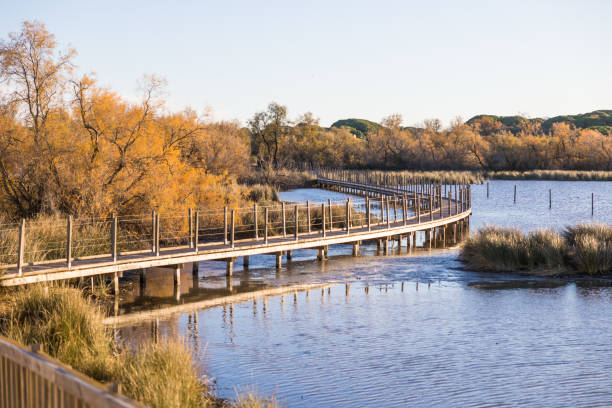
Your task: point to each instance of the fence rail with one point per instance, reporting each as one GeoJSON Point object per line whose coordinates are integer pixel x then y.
{"type": "Point", "coordinates": [31, 379]}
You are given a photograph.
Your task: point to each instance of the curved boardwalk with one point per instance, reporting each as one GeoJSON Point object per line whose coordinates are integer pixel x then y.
{"type": "Point", "coordinates": [441, 212]}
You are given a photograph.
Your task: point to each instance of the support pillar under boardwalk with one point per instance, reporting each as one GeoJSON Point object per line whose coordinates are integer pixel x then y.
{"type": "Point", "coordinates": [229, 269]}
{"type": "Point", "coordinates": [245, 262]}
{"type": "Point", "coordinates": [143, 281]}
{"type": "Point", "coordinates": [321, 254]}
{"type": "Point", "coordinates": [289, 255]}
{"type": "Point", "coordinates": [279, 260]}
{"type": "Point", "coordinates": [356, 248]}
{"type": "Point", "coordinates": [178, 270]}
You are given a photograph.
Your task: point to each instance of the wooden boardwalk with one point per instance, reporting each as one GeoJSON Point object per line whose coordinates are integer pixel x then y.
{"type": "Point", "coordinates": [442, 212]}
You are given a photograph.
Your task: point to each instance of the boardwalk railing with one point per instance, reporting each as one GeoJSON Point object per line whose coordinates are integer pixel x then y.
{"type": "Point", "coordinates": [39, 251]}
{"type": "Point", "coordinates": [31, 379]}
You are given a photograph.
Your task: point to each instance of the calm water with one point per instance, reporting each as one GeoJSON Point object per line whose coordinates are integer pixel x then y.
{"type": "Point", "coordinates": [411, 329]}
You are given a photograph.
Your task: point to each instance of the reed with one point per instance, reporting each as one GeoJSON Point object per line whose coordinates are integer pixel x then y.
{"type": "Point", "coordinates": [250, 399]}
{"type": "Point", "coordinates": [162, 375]}
{"type": "Point", "coordinates": [402, 177]}
{"type": "Point", "coordinates": [67, 326]}
{"type": "Point", "coordinates": [592, 247]}
{"type": "Point", "coordinates": [508, 249]}
{"type": "Point", "coordinates": [564, 175]}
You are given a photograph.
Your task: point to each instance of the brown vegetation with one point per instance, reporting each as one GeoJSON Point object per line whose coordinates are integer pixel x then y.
{"type": "Point", "coordinates": [585, 248]}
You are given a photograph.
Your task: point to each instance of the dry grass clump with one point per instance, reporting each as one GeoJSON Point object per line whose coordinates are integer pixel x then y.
{"type": "Point", "coordinates": [592, 244]}
{"type": "Point", "coordinates": [250, 399]}
{"type": "Point", "coordinates": [508, 249]}
{"type": "Point", "coordinates": [67, 326]}
{"type": "Point", "coordinates": [162, 375]}
{"type": "Point", "coordinates": [585, 247]}
{"type": "Point", "coordinates": [260, 193]}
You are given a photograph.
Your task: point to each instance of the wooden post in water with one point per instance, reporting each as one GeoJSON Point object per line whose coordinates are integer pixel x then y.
{"type": "Point", "coordinates": [549, 198]}
{"type": "Point", "coordinates": [69, 242]}
{"type": "Point", "coordinates": [21, 247]}
{"type": "Point", "coordinates": [114, 238]}
{"type": "Point", "coordinates": [592, 204]}
{"type": "Point", "coordinates": [487, 189]}
{"type": "Point", "coordinates": [515, 193]}
{"type": "Point", "coordinates": [196, 234]}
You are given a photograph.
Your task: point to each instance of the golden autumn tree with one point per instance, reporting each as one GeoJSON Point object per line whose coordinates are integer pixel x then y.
{"type": "Point", "coordinates": [34, 73]}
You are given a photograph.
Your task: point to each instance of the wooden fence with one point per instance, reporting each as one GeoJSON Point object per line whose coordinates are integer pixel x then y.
{"type": "Point", "coordinates": [30, 378]}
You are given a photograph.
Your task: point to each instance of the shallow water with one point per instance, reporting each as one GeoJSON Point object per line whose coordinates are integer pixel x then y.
{"type": "Point", "coordinates": [411, 329]}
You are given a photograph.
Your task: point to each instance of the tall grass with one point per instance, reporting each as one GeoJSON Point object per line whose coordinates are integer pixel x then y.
{"type": "Point", "coordinates": [508, 249]}
{"type": "Point", "coordinates": [69, 327]}
{"type": "Point", "coordinates": [592, 245]}
{"type": "Point", "coordinates": [162, 375]}
{"type": "Point", "coordinates": [587, 248]}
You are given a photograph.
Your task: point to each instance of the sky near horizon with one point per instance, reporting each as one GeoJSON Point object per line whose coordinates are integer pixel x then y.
{"type": "Point", "coordinates": [343, 59]}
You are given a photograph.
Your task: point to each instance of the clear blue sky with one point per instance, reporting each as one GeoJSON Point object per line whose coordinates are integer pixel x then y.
{"type": "Point", "coordinates": [341, 59]}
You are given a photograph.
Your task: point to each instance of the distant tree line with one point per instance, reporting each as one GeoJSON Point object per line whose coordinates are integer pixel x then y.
{"type": "Point", "coordinates": [483, 143]}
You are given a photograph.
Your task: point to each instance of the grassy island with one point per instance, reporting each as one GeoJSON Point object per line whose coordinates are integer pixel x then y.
{"type": "Point", "coordinates": [583, 249]}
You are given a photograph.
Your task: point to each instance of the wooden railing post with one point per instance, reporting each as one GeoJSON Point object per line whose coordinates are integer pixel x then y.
{"type": "Point", "coordinates": [255, 221]}
{"type": "Point", "coordinates": [284, 220]}
{"type": "Point", "coordinates": [114, 238]}
{"type": "Point", "coordinates": [21, 248]}
{"type": "Point", "coordinates": [331, 216]}
{"type": "Point", "coordinates": [348, 215]}
{"type": "Point", "coordinates": [266, 225]}
{"type": "Point", "coordinates": [190, 220]}
{"type": "Point", "coordinates": [418, 208]}
{"type": "Point", "coordinates": [431, 207]}
{"type": "Point", "coordinates": [382, 210]}
{"type": "Point", "coordinates": [387, 205]}
{"type": "Point", "coordinates": [233, 219]}
{"type": "Point", "coordinates": [69, 242]}
{"type": "Point", "coordinates": [368, 214]}
{"type": "Point", "coordinates": [196, 231]}
{"type": "Point", "coordinates": [153, 220]}
{"type": "Point", "coordinates": [323, 219]}
{"type": "Point", "coordinates": [157, 235]}
{"type": "Point", "coordinates": [225, 225]}
{"type": "Point", "coordinates": [405, 209]}
{"type": "Point", "coordinates": [297, 223]}
{"type": "Point", "coordinates": [308, 215]}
